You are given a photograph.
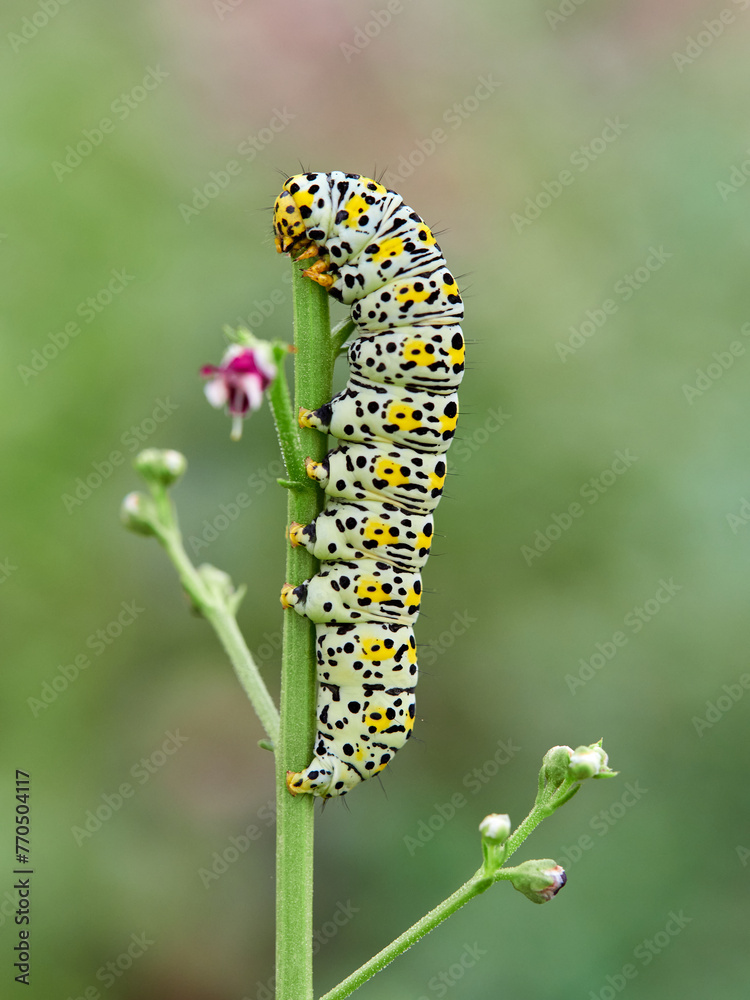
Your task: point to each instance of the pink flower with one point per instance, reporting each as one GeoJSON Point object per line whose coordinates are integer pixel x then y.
{"type": "Point", "coordinates": [240, 381]}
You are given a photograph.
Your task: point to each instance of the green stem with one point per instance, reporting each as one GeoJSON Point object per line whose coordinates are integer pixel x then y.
{"type": "Point", "coordinates": [287, 427]}
{"type": "Point", "coordinates": [480, 881]}
{"type": "Point", "coordinates": [341, 333]}
{"type": "Point", "coordinates": [294, 843]}
{"type": "Point", "coordinates": [219, 612]}
{"type": "Point", "coordinates": [477, 884]}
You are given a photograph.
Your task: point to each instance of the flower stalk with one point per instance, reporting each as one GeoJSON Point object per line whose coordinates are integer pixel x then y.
{"type": "Point", "coordinates": [315, 356]}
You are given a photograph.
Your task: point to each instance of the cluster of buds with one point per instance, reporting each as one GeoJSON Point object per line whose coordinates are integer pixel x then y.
{"type": "Point", "coordinates": [562, 763]}
{"type": "Point", "coordinates": [161, 468]}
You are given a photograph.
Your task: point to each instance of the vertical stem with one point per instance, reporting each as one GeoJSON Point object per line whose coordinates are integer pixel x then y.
{"type": "Point", "coordinates": [294, 843]}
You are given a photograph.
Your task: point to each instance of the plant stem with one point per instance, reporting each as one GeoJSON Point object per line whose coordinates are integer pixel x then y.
{"type": "Point", "coordinates": [219, 612]}
{"type": "Point", "coordinates": [287, 427]}
{"type": "Point", "coordinates": [480, 881]}
{"type": "Point", "coordinates": [294, 836]}
{"type": "Point", "coordinates": [477, 884]}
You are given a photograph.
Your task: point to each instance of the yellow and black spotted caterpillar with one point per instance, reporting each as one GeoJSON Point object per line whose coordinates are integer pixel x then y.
{"type": "Point", "coordinates": [395, 420]}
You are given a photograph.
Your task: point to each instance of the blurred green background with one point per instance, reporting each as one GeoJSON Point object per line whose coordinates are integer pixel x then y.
{"type": "Point", "coordinates": [584, 165]}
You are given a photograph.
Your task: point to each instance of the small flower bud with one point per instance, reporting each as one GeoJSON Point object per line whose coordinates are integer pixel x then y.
{"type": "Point", "coordinates": [138, 513]}
{"type": "Point", "coordinates": [163, 466]}
{"type": "Point", "coordinates": [555, 765]}
{"type": "Point", "coordinates": [590, 762]}
{"type": "Point", "coordinates": [220, 585]}
{"type": "Point", "coordinates": [496, 827]}
{"type": "Point", "coordinates": [539, 881]}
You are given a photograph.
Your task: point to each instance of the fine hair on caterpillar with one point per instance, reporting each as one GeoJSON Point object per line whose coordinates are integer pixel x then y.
{"type": "Point", "coordinates": [394, 421]}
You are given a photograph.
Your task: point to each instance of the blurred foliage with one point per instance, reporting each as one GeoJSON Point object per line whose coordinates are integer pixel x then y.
{"type": "Point", "coordinates": [473, 117]}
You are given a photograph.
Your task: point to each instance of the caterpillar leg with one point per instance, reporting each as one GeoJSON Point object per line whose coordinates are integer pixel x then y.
{"type": "Point", "coordinates": [317, 470]}
{"type": "Point", "coordinates": [317, 420]}
{"type": "Point", "coordinates": [317, 272]}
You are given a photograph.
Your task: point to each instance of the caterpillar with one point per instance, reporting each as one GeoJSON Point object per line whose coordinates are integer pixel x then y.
{"type": "Point", "coordinates": [395, 420]}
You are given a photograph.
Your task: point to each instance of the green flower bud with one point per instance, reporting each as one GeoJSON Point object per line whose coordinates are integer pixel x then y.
{"type": "Point", "coordinates": [221, 587]}
{"type": "Point", "coordinates": [590, 762]}
{"type": "Point", "coordinates": [138, 513]}
{"type": "Point", "coordinates": [496, 827]}
{"type": "Point", "coordinates": [158, 465]}
{"type": "Point", "coordinates": [555, 765]}
{"type": "Point", "coordinates": [540, 880]}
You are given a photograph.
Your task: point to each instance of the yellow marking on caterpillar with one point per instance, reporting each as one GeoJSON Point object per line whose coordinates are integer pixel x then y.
{"type": "Point", "coordinates": [369, 587]}
{"type": "Point", "coordinates": [449, 423]}
{"type": "Point", "coordinates": [412, 654]}
{"type": "Point", "coordinates": [303, 198]}
{"type": "Point", "coordinates": [388, 470]}
{"type": "Point", "coordinates": [389, 248]}
{"type": "Point", "coordinates": [457, 354]}
{"type": "Point", "coordinates": [437, 482]}
{"type": "Point", "coordinates": [416, 351]}
{"type": "Point", "coordinates": [376, 531]}
{"type": "Point", "coordinates": [373, 649]}
{"type": "Point", "coordinates": [451, 288]}
{"type": "Point", "coordinates": [412, 599]}
{"type": "Point", "coordinates": [377, 719]}
{"type": "Point", "coordinates": [408, 292]}
{"type": "Point", "coordinates": [423, 541]}
{"type": "Point", "coordinates": [403, 417]}
{"type": "Point", "coordinates": [355, 207]}
{"type": "Point", "coordinates": [425, 236]}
